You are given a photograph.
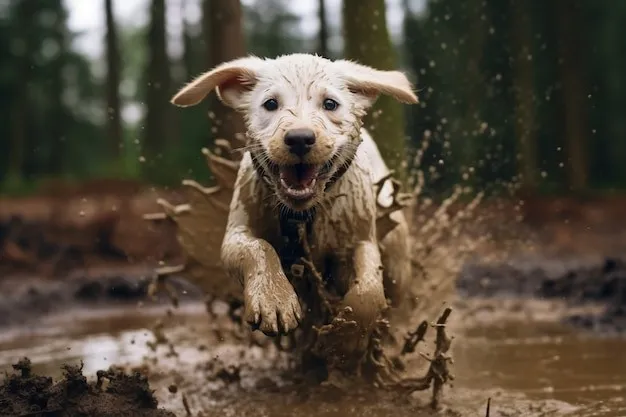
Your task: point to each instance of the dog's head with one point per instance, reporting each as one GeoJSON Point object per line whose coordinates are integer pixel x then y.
{"type": "Point", "coordinates": [303, 115]}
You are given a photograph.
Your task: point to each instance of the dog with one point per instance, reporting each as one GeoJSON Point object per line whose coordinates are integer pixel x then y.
{"type": "Point", "coordinates": [308, 158]}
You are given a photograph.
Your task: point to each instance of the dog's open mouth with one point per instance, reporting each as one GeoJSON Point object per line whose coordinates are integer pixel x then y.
{"type": "Point", "coordinates": [298, 181]}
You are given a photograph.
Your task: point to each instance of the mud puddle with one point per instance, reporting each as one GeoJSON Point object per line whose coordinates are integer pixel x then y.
{"type": "Point", "coordinates": [526, 368]}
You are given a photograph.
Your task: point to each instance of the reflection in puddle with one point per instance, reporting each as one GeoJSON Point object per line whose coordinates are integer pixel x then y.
{"type": "Point", "coordinates": [544, 362]}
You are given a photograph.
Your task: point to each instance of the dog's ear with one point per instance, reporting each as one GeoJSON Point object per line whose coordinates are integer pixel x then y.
{"type": "Point", "coordinates": [369, 83]}
{"type": "Point", "coordinates": [230, 80]}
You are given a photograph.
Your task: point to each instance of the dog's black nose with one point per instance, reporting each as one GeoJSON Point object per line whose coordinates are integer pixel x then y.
{"type": "Point", "coordinates": [300, 141]}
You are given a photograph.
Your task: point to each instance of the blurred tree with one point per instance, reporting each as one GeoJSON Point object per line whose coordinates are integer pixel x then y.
{"type": "Point", "coordinates": [322, 46]}
{"type": "Point", "coordinates": [225, 42]}
{"type": "Point", "coordinates": [194, 57]}
{"type": "Point", "coordinates": [367, 41]}
{"type": "Point", "coordinates": [424, 120]}
{"type": "Point", "coordinates": [273, 30]}
{"type": "Point", "coordinates": [193, 120]}
{"type": "Point", "coordinates": [114, 120]}
{"type": "Point", "coordinates": [25, 42]}
{"type": "Point", "coordinates": [466, 143]}
{"type": "Point", "coordinates": [524, 90]}
{"type": "Point", "coordinates": [158, 126]}
{"type": "Point", "coordinates": [50, 93]}
{"type": "Point", "coordinates": [608, 66]}
{"type": "Point", "coordinates": [55, 150]}
{"type": "Point", "coordinates": [575, 91]}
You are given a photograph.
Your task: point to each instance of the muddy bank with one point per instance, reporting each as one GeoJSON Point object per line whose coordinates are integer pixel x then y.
{"type": "Point", "coordinates": [576, 282]}
{"type": "Point", "coordinates": [113, 393]}
{"type": "Point", "coordinates": [25, 299]}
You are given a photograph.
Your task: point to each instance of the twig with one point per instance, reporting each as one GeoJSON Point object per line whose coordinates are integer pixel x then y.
{"type": "Point", "coordinates": [438, 373]}
{"type": "Point", "coordinates": [488, 406]}
{"type": "Point", "coordinates": [439, 365]}
{"type": "Point", "coordinates": [186, 405]}
{"type": "Point", "coordinates": [413, 338]}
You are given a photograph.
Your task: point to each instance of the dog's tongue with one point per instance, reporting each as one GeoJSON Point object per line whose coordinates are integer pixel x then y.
{"type": "Point", "coordinates": [299, 175]}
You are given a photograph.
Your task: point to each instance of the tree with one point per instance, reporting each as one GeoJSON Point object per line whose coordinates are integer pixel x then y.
{"type": "Point", "coordinates": [225, 41]}
{"type": "Point", "coordinates": [50, 96]}
{"type": "Point", "coordinates": [367, 41]}
{"type": "Point", "coordinates": [524, 88]}
{"type": "Point", "coordinates": [322, 46]}
{"type": "Point", "coordinates": [158, 130]}
{"type": "Point", "coordinates": [25, 36]}
{"type": "Point", "coordinates": [569, 23]}
{"type": "Point", "coordinates": [273, 30]}
{"type": "Point", "coordinates": [114, 120]}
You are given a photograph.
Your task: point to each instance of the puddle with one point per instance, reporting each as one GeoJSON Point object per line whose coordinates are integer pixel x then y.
{"type": "Point", "coordinates": [527, 369]}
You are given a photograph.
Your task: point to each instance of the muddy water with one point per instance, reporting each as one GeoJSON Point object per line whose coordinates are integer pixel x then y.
{"type": "Point", "coordinates": [526, 368]}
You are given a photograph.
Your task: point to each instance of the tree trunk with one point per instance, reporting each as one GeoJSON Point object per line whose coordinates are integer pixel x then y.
{"type": "Point", "coordinates": [187, 57]}
{"type": "Point", "coordinates": [158, 126]}
{"type": "Point", "coordinates": [114, 120]}
{"type": "Point", "coordinates": [569, 25]}
{"type": "Point", "coordinates": [524, 87]}
{"type": "Point", "coordinates": [467, 141]}
{"type": "Point", "coordinates": [22, 104]}
{"type": "Point", "coordinates": [58, 117]}
{"type": "Point", "coordinates": [368, 42]}
{"type": "Point", "coordinates": [225, 41]}
{"type": "Point", "coordinates": [322, 47]}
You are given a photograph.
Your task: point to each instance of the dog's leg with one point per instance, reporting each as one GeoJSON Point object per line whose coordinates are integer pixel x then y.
{"type": "Point", "coordinates": [270, 301]}
{"type": "Point", "coordinates": [345, 342]}
{"type": "Point", "coordinates": [396, 259]}
{"type": "Point", "coordinates": [366, 297]}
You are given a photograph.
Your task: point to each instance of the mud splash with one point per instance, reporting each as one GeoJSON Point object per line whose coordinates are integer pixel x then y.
{"type": "Point", "coordinates": [114, 393]}
{"type": "Point", "coordinates": [437, 246]}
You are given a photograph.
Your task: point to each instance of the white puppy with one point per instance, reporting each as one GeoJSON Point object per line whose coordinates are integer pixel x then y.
{"type": "Point", "coordinates": [308, 159]}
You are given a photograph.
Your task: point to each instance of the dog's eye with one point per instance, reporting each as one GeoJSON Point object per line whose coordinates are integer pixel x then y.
{"type": "Point", "coordinates": [270, 105]}
{"type": "Point", "coordinates": [330, 104]}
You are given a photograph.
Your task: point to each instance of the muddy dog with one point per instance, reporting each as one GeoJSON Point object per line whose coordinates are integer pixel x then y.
{"type": "Point", "coordinates": [308, 159]}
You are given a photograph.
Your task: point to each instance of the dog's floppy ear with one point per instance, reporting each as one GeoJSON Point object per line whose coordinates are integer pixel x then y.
{"type": "Point", "coordinates": [369, 83]}
{"type": "Point", "coordinates": [230, 80]}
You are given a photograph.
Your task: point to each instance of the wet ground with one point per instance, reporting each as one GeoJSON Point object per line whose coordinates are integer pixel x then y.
{"type": "Point", "coordinates": [540, 334]}
{"type": "Point", "coordinates": [528, 365]}
{"type": "Point", "coordinates": [538, 337]}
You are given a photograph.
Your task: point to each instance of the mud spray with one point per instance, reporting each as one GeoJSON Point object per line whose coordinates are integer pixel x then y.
{"type": "Point", "coordinates": [393, 361]}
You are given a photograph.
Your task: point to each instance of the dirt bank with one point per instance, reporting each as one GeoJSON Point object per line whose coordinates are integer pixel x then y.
{"type": "Point", "coordinates": [576, 282]}
{"type": "Point", "coordinates": [113, 394]}
{"type": "Point", "coordinates": [24, 299]}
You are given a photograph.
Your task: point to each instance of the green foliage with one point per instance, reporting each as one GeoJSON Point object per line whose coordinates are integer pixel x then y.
{"type": "Point", "coordinates": [367, 41]}
{"type": "Point", "coordinates": [272, 30]}
{"type": "Point", "coordinates": [465, 56]}
{"type": "Point", "coordinates": [50, 99]}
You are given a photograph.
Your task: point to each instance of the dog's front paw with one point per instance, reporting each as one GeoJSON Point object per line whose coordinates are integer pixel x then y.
{"type": "Point", "coordinates": [271, 305]}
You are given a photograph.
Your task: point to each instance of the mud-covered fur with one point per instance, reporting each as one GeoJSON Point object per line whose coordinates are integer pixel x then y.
{"type": "Point", "coordinates": [313, 100]}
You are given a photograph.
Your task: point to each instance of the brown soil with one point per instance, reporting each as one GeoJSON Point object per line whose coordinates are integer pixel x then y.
{"type": "Point", "coordinates": [24, 300]}
{"type": "Point", "coordinates": [575, 282]}
{"type": "Point", "coordinates": [113, 394]}
{"type": "Point", "coordinates": [62, 257]}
